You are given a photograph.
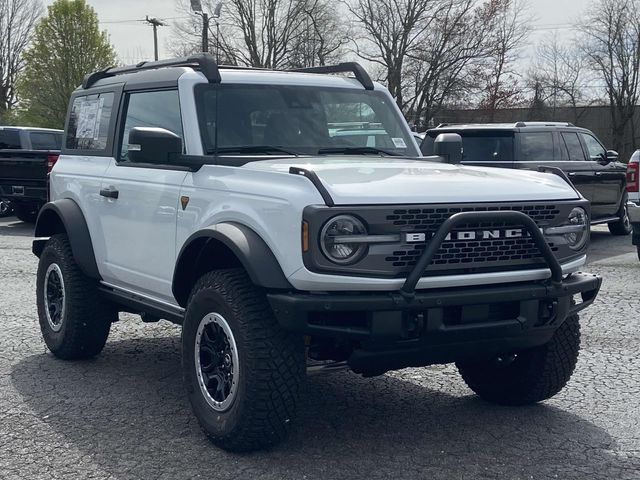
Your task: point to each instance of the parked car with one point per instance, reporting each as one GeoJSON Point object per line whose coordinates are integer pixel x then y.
{"type": "Point", "coordinates": [27, 155]}
{"type": "Point", "coordinates": [223, 201]}
{"type": "Point", "coordinates": [595, 171]}
{"type": "Point", "coordinates": [633, 189]}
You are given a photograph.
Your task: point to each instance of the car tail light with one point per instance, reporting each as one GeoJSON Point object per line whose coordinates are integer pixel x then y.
{"type": "Point", "coordinates": [51, 161]}
{"type": "Point", "coordinates": [633, 183]}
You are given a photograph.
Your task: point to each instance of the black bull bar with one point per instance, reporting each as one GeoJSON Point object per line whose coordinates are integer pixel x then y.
{"type": "Point", "coordinates": [512, 217]}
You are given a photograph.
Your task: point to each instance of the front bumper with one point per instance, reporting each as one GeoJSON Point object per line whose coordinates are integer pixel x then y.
{"type": "Point", "coordinates": [415, 327]}
{"type": "Point", "coordinates": [395, 331]}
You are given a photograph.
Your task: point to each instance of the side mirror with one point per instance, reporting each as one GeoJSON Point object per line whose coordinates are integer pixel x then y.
{"type": "Point", "coordinates": [154, 145]}
{"type": "Point", "coordinates": [612, 156]}
{"type": "Point", "coordinates": [448, 146]}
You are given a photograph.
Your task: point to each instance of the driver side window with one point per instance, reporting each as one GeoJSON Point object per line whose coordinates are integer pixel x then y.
{"type": "Point", "coordinates": [151, 109]}
{"type": "Point", "coordinates": [596, 151]}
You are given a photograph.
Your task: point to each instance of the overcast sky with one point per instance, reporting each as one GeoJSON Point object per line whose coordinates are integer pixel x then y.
{"type": "Point", "coordinates": [133, 39]}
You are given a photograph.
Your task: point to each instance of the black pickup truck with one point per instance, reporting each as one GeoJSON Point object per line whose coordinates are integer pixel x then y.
{"type": "Point", "coordinates": [27, 155]}
{"type": "Point", "coordinates": [594, 170]}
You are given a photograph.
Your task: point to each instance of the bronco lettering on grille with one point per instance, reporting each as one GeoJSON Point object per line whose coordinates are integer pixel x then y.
{"type": "Point", "coordinates": [471, 235]}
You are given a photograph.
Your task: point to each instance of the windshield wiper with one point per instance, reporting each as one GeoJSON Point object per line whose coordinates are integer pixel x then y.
{"type": "Point", "coordinates": [258, 149]}
{"type": "Point", "coordinates": [358, 151]}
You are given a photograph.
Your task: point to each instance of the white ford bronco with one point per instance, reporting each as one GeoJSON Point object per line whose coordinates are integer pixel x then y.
{"type": "Point", "coordinates": [288, 223]}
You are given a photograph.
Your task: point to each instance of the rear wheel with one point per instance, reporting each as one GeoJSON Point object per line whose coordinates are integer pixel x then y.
{"type": "Point", "coordinates": [26, 213]}
{"type": "Point", "coordinates": [530, 376]}
{"type": "Point", "coordinates": [623, 225]}
{"type": "Point", "coordinates": [6, 208]}
{"type": "Point", "coordinates": [74, 320]}
{"type": "Point", "coordinates": [242, 372]}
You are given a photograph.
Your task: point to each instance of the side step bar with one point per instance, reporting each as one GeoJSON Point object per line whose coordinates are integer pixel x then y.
{"type": "Point", "coordinates": [141, 304]}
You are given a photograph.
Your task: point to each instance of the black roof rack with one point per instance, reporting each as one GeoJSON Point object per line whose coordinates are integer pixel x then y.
{"type": "Point", "coordinates": [361, 75]}
{"type": "Point", "coordinates": [203, 61]}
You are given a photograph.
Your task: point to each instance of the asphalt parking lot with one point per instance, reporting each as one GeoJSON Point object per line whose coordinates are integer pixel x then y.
{"type": "Point", "coordinates": [124, 415]}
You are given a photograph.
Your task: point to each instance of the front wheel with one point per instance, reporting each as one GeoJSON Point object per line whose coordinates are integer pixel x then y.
{"type": "Point", "coordinates": [622, 226]}
{"type": "Point", "coordinates": [530, 376]}
{"type": "Point", "coordinates": [242, 372]}
{"type": "Point", "coordinates": [74, 320]}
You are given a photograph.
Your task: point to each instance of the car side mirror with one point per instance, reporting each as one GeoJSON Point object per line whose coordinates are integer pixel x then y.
{"type": "Point", "coordinates": [612, 156]}
{"type": "Point", "coordinates": [448, 146]}
{"type": "Point", "coordinates": [154, 145]}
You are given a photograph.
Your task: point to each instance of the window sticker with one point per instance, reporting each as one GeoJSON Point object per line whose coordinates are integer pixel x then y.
{"type": "Point", "coordinates": [89, 119]}
{"type": "Point", "coordinates": [399, 142]}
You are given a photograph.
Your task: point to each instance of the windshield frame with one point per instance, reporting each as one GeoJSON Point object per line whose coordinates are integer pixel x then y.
{"type": "Point", "coordinates": [211, 147]}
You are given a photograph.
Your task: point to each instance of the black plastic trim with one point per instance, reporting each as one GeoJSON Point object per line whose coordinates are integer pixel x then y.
{"type": "Point", "coordinates": [313, 177]}
{"type": "Point", "coordinates": [249, 248]}
{"type": "Point", "coordinates": [353, 67]}
{"type": "Point", "coordinates": [67, 213]}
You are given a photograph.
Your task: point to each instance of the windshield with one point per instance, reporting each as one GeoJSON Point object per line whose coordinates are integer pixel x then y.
{"type": "Point", "coordinates": [245, 119]}
{"type": "Point", "coordinates": [478, 146]}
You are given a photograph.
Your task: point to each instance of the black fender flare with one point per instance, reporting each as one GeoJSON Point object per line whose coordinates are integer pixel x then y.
{"type": "Point", "coordinates": [65, 216]}
{"type": "Point", "coordinates": [250, 249]}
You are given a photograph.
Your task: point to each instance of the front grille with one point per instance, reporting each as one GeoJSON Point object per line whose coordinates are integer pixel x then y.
{"type": "Point", "coordinates": [463, 254]}
{"type": "Point", "coordinates": [431, 218]}
{"type": "Point", "coordinates": [460, 254]}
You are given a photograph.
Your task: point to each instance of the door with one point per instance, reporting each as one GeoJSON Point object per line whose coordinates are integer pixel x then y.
{"type": "Point", "coordinates": [575, 164]}
{"type": "Point", "coordinates": [610, 179]}
{"type": "Point", "coordinates": [139, 204]}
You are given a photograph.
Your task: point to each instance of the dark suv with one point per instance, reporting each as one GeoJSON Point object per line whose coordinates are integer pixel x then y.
{"type": "Point", "coordinates": [594, 170]}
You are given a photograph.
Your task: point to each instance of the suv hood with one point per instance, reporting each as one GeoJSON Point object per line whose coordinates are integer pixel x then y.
{"type": "Point", "coordinates": [361, 180]}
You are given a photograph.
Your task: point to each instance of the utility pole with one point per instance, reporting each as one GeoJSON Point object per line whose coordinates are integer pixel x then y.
{"type": "Point", "coordinates": [205, 32]}
{"type": "Point", "coordinates": [155, 23]}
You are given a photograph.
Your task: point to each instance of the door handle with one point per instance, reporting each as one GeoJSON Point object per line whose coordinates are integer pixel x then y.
{"type": "Point", "coordinates": [572, 174]}
{"type": "Point", "coordinates": [599, 173]}
{"type": "Point", "coordinates": [109, 192]}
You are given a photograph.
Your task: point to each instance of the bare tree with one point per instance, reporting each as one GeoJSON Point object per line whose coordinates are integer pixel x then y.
{"type": "Point", "coordinates": [17, 22]}
{"type": "Point", "coordinates": [560, 73]}
{"type": "Point", "coordinates": [611, 39]}
{"type": "Point", "coordinates": [323, 38]}
{"type": "Point", "coordinates": [446, 63]}
{"type": "Point", "coordinates": [509, 27]}
{"type": "Point", "coordinates": [268, 33]}
{"type": "Point", "coordinates": [390, 32]}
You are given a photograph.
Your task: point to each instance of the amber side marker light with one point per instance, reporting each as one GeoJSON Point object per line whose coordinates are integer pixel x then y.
{"type": "Point", "coordinates": [305, 237]}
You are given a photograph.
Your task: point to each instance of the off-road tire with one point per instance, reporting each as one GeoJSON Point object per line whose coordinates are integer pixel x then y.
{"type": "Point", "coordinates": [271, 364]}
{"type": "Point", "coordinates": [534, 375]}
{"type": "Point", "coordinates": [86, 318]}
{"type": "Point", "coordinates": [623, 225]}
{"type": "Point", "coordinates": [26, 213]}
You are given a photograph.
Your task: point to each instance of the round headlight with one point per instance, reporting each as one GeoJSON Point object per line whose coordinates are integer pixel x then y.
{"type": "Point", "coordinates": [334, 239]}
{"type": "Point", "coordinates": [578, 238]}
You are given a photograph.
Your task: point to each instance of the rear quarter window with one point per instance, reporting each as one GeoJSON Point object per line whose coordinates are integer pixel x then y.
{"type": "Point", "coordinates": [536, 147]}
{"type": "Point", "coordinates": [478, 146]}
{"type": "Point", "coordinates": [10, 139]}
{"type": "Point", "coordinates": [45, 141]}
{"type": "Point", "coordinates": [89, 122]}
